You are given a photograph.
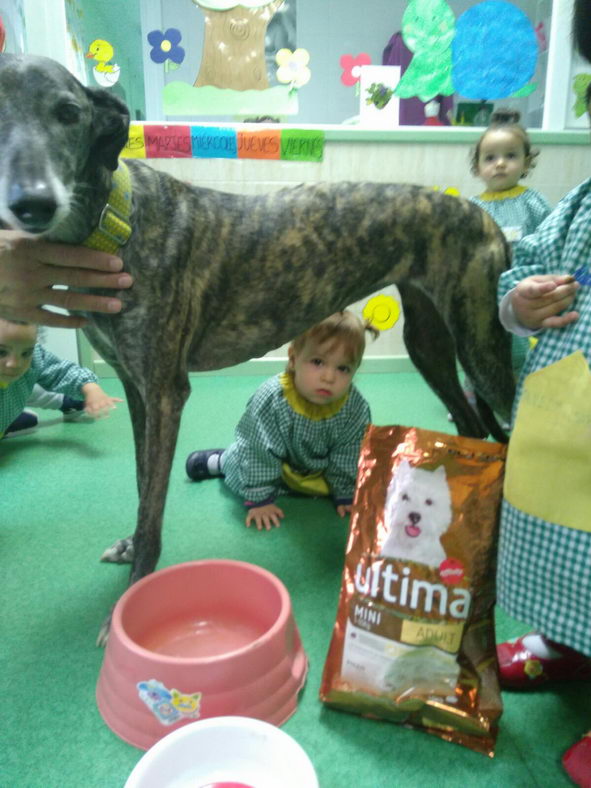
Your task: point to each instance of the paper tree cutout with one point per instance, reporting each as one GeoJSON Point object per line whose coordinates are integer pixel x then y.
{"type": "Point", "coordinates": [494, 52]}
{"type": "Point", "coordinates": [427, 30]}
{"type": "Point", "coordinates": [382, 311]}
{"type": "Point", "coordinates": [234, 47]}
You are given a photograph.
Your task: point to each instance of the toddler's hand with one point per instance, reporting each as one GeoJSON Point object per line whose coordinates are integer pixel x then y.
{"type": "Point", "coordinates": [538, 301]}
{"type": "Point", "coordinates": [97, 403]}
{"type": "Point", "coordinates": [264, 516]}
{"type": "Point", "coordinates": [343, 509]}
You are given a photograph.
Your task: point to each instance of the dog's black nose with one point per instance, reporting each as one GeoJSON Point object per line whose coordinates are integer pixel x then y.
{"type": "Point", "coordinates": [33, 209]}
{"type": "Point", "coordinates": [414, 517]}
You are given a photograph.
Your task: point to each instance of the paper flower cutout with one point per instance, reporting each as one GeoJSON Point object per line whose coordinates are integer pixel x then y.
{"type": "Point", "coordinates": [165, 46]}
{"type": "Point", "coordinates": [382, 311]}
{"type": "Point", "coordinates": [293, 67]}
{"type": "Point", "coordinates": [352, 67]}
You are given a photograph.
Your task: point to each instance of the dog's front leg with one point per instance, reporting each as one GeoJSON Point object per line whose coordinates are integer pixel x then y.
{"type": "Point", "coordinates": [121, 552]}
{"type": "Point", "coordinates": [163, 407]}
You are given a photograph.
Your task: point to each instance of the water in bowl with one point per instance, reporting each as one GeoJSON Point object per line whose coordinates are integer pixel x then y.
{"type": "Point", "coordinates": [201, 637]}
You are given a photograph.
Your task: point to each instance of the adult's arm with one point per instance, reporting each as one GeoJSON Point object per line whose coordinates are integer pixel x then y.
{"type": "Point", "coordinates": [29, 270]}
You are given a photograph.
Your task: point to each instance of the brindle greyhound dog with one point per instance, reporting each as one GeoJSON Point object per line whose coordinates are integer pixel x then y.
{"type": "Point", "coordinates": [222, 278]}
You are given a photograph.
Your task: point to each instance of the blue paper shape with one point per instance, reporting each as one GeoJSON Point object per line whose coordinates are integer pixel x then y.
{"type": "Point", "coordinates": [211, 142]}
{"type": "Point", "coordinates": [494, 51]}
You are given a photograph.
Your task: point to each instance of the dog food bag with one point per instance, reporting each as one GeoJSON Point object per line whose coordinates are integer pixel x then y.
{"type": "Point", "coordinates": [414, 637]}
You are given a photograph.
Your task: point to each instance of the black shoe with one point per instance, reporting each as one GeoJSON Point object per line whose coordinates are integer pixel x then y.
{"type": "Point", "coordinates": [197, 467]}
{"type": "Point", "coordinates": [24, 423]}
{"type": "Point", "coordinates": [71, 405]}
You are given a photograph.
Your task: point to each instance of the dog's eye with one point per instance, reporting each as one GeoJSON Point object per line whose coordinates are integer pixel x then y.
{"type": "Point", "coordinates": [67, 112]}
{"type": "Point", "coordinates": [429, 501]}
{"type": "Point", "coordinates": [405, 497]}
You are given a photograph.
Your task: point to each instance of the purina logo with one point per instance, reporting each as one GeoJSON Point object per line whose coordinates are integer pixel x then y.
{"type": "Point", "coordinates": [381, 580]}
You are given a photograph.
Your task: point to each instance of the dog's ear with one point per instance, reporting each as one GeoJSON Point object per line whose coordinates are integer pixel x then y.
{"type": "Point", "coordinates": [110, 127]}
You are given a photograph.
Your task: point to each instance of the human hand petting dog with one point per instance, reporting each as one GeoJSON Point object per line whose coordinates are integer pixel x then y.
{"type": "Point", "coordinates": [539, 301]}
{"type": "Point", "coordinates": [29, 269]}
{"type": "Point", "coordinates": [264, 517]}
{"type": "Point", "coordinates": [97, 403]}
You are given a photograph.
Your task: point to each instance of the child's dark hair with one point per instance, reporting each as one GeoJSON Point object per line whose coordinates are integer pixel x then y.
{"type": "Point", "coordinates": [343, 328]}
{"type": "Point", "coordinates": [508, 119]}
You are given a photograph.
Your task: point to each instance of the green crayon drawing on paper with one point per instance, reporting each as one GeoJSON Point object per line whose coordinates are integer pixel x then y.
{"type": "Point", "coordinates": [428, 28]}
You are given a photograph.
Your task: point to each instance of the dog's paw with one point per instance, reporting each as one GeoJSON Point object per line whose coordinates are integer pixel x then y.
{"type": "Point", "coordinates": [119, 553]}
{"type": "Point", "coordinates": [103, 634]}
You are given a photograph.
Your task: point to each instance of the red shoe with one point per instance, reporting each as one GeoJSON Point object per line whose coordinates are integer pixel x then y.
{"type": "Point", "coordinates": [519, 668]}
{"type": "Point", "coordinates": [577, 762]}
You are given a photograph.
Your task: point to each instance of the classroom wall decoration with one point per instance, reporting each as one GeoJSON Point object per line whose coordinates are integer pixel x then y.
{"type": "Point", "coordinates": [580, 84]}
{"type": "Point", "coordinates": [105, 73]}
{"type": "Point", "coordinates": [580, 79]}
{"type": "Point", "coordinates": [186, 141]}
{"type": "Point", "coordinates": [494, 52]}
{"type": "Point", "coordinates": [382, 311]}
{"type": "Point", "coordinates": [206, 59]}
{"type": "Point", "coordinates": [234, 47]}
{"type": "Point", "coordinates": [12, 27]}
{"type": "Point", "coordinates": [166, 47]}
{"type": "Point", "coordinates": [293, 67]}
{"type": "Point", "coordinates": [428, 28]}
{"type": "Point", "coordinates": [233, 74]}
{"type": "Point", "coordinates": [379, 106]}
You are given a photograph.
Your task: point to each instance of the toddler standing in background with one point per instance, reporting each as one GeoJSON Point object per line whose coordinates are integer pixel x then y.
{"type": "Point", "coordinates": [502, 157]}
{"type": "Point", "coordinates": [302, 429]}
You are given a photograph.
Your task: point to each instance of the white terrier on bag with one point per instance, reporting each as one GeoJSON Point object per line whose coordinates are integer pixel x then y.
{"type": "Point", "coordinates": [417, 513]}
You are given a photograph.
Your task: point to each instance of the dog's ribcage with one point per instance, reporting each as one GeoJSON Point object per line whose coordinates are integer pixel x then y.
{"type": "Point", "coordinates": [244, 274]}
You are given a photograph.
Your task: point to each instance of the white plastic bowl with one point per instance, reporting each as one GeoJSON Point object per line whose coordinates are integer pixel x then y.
{"type": "Point", "coordinates": [239, 750]}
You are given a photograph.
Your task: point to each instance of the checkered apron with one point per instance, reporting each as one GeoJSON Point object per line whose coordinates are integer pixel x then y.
{"type": "Point", "coordinates": [544, 570]}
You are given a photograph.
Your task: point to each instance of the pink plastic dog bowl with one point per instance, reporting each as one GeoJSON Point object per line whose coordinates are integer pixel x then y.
{"type": "Point", "coordinates": [197, 640]}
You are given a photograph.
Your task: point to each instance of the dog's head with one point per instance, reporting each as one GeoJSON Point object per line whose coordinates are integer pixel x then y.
{"type": "Point", "coordinates": [56, 135]}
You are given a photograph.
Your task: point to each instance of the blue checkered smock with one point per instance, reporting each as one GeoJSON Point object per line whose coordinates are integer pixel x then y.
{"type": "Point", "coordinates": [280, 426]}
{"type": "Point", "coordinates": [520, 208]}
{"type": "Point", "coordinates": [52, 374]}
{"type": "Point", "coordinates": [544, 571]}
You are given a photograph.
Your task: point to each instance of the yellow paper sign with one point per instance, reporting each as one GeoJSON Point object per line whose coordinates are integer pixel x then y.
{"type": "Point", "coordinates": [548, 469]}
{"type": "Point", "coordinates": [135, 147]}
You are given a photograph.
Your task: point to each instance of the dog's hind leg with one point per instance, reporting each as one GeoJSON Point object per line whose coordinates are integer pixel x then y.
{"type": "Point", "coordinates": [432, 350]}
{"type": "Point", "coordinates": [121, 552]}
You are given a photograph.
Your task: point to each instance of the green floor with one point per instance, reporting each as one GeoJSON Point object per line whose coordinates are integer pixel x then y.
{"type": "Point", "coordinates": [68, 491]}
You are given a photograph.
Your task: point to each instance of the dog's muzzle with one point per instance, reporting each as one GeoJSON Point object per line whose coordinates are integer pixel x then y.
{"type": "Point", "coordinates": [33, 208]}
